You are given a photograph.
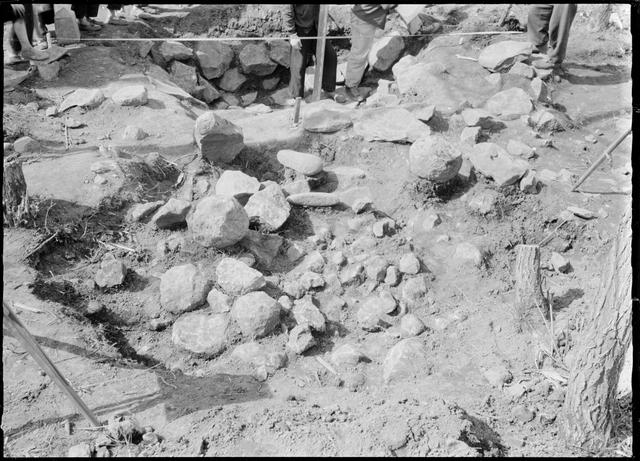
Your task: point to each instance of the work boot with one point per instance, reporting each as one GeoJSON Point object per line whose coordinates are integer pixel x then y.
{"type": "Point", "coordinates": [354, 94]}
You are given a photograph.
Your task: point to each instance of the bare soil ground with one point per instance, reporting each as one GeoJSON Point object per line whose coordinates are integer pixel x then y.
{"type": "Point", "coordinates": [219, 407]}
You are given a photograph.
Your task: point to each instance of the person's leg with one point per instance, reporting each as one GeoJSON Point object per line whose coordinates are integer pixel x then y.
{"type": "Point", "coordinates": [362, 39]}
{"type": "Point", "coordinates": [297, 68]}
{"type": "Point", "coordinates": [329, 69]}
{"type": "Point", "coordinates": [83, 11]}
{"type": "Point", "coordinates": [538, 26]}
{"type": "Point", "coordinates": [39, 27]}
{"type": "Point", "coordinates": [28, 52]}
{"type": "Point", "coordinates": [559, 26]}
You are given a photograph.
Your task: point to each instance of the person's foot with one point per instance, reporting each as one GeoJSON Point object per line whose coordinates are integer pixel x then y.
{"type": "Point", "coordinates": [41, 45]}
{"type": "Point", "coordinates": [354, 93]}
{"type": "Point", "coordinates": [35, 55]}
{"type": "Point", "coordinates": [85, 25]}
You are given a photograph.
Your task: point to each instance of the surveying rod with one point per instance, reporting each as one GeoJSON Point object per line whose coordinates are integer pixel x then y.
{"type": "Point", "coordinates": [17, 329]}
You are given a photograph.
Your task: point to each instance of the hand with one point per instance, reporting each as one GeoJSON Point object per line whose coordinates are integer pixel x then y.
{"type": "Point", "coordinates": [295, 41]}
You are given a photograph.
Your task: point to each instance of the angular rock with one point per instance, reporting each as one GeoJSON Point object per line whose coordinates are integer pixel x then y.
{"type": "Point", "coordinates": [502, 55]}
{"type": "Point", "coordinates": [231, 99]}
{"type": "Point", "coordinates": [281, 97]}
{"type": "Point", "coordinates": [550, 121]}
{"type": "Point", "coordinates": [265, 247]}
{"type": "Point", "coordinates": [81, 450]}
{"type": "Point", "coordinates": [257, 314]}
{"type": "Point", "coordinates": [26, 144]}
{"type": "Point", "coordinates": [409, 264]}
{"type": "Point", "coordinates": [248, 98]}
{"type": "Point", "coordinates": [280, 52]}
{"type": "Point", "coordinates": [236, 278]}
{"type": "Point", "coordinates": [560, 263]}
{"type": "Point", "coordinates": [314, 199]}
{"type": "Point", "coordinates": [326, 121]}
{"type": "Point", "coordinates": [383, 227]}
{"type": "Point", "coordinates": [392, 277]}
{"type": "Point", "coordinates": [385, 51]}
{"type": "Point", "coordinates": [539, 90]}
{"type": "Point", "coordinates": [468, 252]}
{"type": "Point", "coordinates": [522, 69]}
{"type": "Point", "coordinates": [214, 58]}
{"type": "Point", "coordinates": [134, 133]}
{"type": "Point", "coordinates": [203, 333]}
{"type": "Point", "coordinates": [134, 95]}
{"type": "Point", "coordinates": [49, 71]}
{"type": "Point", "coordinates": [310, 280]}
{"type": "Point", "coordinates": [510, 104]}
{"type": "Point", "coordinates": [424, 114]}
{"type": "Point", "coordinates": [435, 159]}
{"type": "Point", "coordinates": [376, 268]}
{"type": "Point", "coordinates": [305, 312]}
{"type": "Point", "coordinates": [466, 172]}
{"type": "Point", "coordinates": [254, 354]}
{"type": "Point", "coordinates": [219, 139]}
{"type": "Point", "coordinates": [236, 184]}
{"type": "Point", "coordinates": [347, 355]}
{"type": "Point", "coordinates": [269, 207]}
{"type": "Point", "coordinates": [307, 164]}
{"type": "Point", "coordinates": [498, 376]}
{"type": "Point", "coordinates": [254, 59]}
{"type": "Point", "coordinates": [313, 262]}
{"type": "Point", "coordinates": [390, 124]}
{"type": "Point", "coordinates": [170, 50]}
{"type": "Point", "coordinates": [142, 211]}
{"type": "Point", "coordinates": [172, 213]}
{"type": "Point", "coordinates": [300, 339]}
{"type": "Point", "coordinates": [300, 186]}
{"type": "Point", "coordinates": [82, 97]}
{"type": "Point", "coordinates": [370, 315]}
{"type": "Point", "coordinates": [232, 80]}
{"type": "Point", "coordinates": [520, 149]}
{"type": "Point", "coordinates": [477, 117]}
{"type": "Point", "coordinates": [218, 301]}
{"type": "Point", "coordinates": [413, 290]}
{"type": "Point", "coordinates": [411, 325]}
{"type": "Point", "coordinates": [470, 135]}
{"type": "Point", "coordinates": [405, 359]}
{"type": "Point", "coordinates": [494, 162]}
{"type": "Point", "coordinates": [183, 288]}
{"type": "Point", "coordinates": [184, 76]}
{"type": "Point", "coordinates": [111, 273]}
{"type": "Point", "coordinates": [484, 202]}
{"type": "Point", "coordinates": [529, 183]}
{"type": "Point", "coordinates": [270, 83]}
{"type": "Point", "coordinates": [352, 275]}
{"type": "Point", "coordinates": [218, 221]}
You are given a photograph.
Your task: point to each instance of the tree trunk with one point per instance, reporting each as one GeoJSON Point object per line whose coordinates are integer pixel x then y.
{"type": "Point", "coordinates": [14, 193]}
{"type": "Point", "coordinates": [529, 296]}
{"type": "Point", "coordinates": [600, 17]}
{"type": "Point", "coordinates": [587, 414]}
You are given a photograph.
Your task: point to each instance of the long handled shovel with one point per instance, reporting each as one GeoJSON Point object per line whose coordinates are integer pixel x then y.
{"type": "Point", "coordinates": [13, 324]}
{"type": "Point", "coordinates": [601, 159]}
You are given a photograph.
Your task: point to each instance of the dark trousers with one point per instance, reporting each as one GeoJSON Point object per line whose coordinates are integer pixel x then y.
{"type": "Point", "coordinates": [301, 59]}
{"type": "Point", "coordinates": [90, 10]}
{"type": "Point", "coordinates": [550, 23]}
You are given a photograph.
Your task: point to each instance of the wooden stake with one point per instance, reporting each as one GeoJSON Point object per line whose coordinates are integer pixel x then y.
{"type": "Point", "coordinates": [296, 113]}
{"type": "Point", "coordinates": [528, 281]}
{"type": "Point", "coordinates": [320, 47]}
{"type": "Point", "coordinates": [504, 15]}
{"type": "Point", "coordinates": [17, 329]}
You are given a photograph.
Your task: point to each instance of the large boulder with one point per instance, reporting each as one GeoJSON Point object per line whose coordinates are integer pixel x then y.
{"type": "Point", "coordinates": [232, 80]}
{"type": "Point", "coordinates": [307, 164]}
{"type": "Point", "coordinates": [435, 159]}
{"type": "Point", "coordinates": [218, 221]}
{"type": "Point", "coordinates": [405, 359]}
{"type": "Point", "coordinates": [257, 314]}
{"type": "Point", "coordinates": [254, 59]}
{"type": "Point", "coordinates": [494, 162]}
{"type": "Point", "coordinates": [269, 207]}
{"type": "Point", "coordinates": [236, 184]}
{"type": "Point", "coordinates": [214, 57]}
{"type": "Point", "coordinates": [183, 288]}
{"type": "Point", "coordinates": [386, 51]}
{"type": "Point", "coordinates": [236, 278]}
{"type": "Point", "coordinates": [219, 139]}
{"type": "Point", "coordinates": [502, 55]}
{"type": "Point", "coordinates": [203, 333]}
{"type": "Point", "coordinates": [390, 124]}
{"type": "Point", "coordinates": [280, 52]}
{"type": "Point", "coordinates": [510, 104]}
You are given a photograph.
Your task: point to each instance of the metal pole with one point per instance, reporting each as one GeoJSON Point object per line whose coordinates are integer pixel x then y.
{"type": "Point", "coordinates": [16, 328]}
{"type": "Point", "coordinates": [602, 158]}
{"type": "Point", "coordinates": [320, 47]}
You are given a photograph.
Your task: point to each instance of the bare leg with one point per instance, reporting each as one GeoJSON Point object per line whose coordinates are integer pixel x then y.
{"type": "Point", "coordinates": [28, 51]}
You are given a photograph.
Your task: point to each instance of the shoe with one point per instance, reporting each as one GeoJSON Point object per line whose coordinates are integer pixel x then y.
{"type": "Point", "coordinates": [87, 26]}
{"type": "Point", "coordinates": [354, 94]}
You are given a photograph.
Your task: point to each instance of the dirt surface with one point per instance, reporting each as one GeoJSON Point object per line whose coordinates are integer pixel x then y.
{"type": "Point", "coordinates": [222, 407]}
